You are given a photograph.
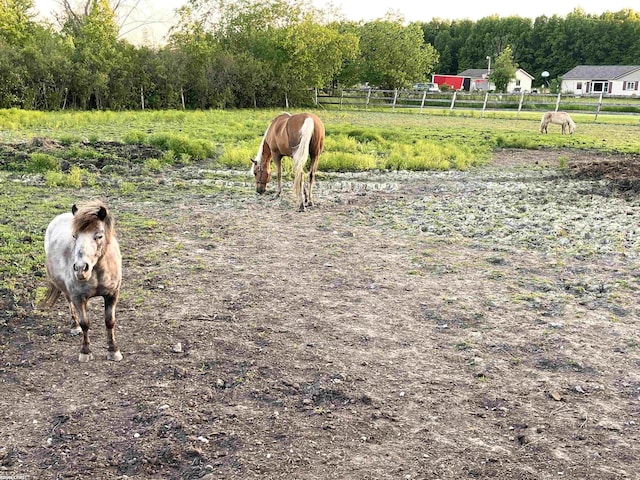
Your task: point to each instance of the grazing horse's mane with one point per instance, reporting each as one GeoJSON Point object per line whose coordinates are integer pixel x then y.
{"type": "Point", "coordinates": [261, 148]}
{"type": "Point", "coordinates": [89, 214]}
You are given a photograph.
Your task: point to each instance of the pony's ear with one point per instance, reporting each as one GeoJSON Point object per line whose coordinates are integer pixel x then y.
{"type": "Point", "coordinates": [102, 213]}
{"type": "Point", "coordinates": [253, 161]}
{"type": "Point", "coordinates": [74, 209]}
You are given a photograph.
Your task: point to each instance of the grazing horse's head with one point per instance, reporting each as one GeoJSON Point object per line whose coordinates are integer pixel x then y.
{"type": "Point", "coordinates": [262, 174]}
{"type": "Point", "coordinates": [92, 229]}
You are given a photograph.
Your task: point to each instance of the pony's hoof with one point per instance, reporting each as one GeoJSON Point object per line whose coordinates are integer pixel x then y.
{"type": "Point", "coordinates": [75, 331]}
{"type": "Point", "coordinates": [114, 356]}
{"type": "Point", "coordinates": [85, 357]}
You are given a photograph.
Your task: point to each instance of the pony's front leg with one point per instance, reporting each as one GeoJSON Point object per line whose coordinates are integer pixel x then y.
{"type": "Point", "coordinates": [278, 161]}
{"type": "Point", "coordinates": [81, 309]}
{"type": "Point", "coordinates": [75, 322]}
{"type": "Point", "coordinates": [110, 302]}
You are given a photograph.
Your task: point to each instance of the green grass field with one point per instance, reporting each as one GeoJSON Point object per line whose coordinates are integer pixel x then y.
{"type": "Point", "coordinates": [356, 140]}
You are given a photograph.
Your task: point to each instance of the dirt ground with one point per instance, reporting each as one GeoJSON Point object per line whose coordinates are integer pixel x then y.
{"type": "Point", "coordinates": [260, 342]}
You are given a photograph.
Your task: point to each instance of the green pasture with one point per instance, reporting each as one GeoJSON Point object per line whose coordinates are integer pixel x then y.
{"type": "Point", "coordinates": [356, 140]}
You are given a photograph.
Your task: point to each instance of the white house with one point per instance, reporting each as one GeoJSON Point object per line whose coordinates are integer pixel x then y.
{"type": "Point", "coordinates": [521, 82]}
{"type": "Point", "coordinates": [606, 79]}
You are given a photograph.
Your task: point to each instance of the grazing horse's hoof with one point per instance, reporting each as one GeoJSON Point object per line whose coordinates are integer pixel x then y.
{"type": "Point", "coordinates": [75, 331]}
{"type": "Point", "coordinates": [115, 356]}
{"type": "Point", "coordinates": [85, 357]}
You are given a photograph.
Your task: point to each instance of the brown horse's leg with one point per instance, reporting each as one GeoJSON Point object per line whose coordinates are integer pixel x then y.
{"type": "Point", "coordinates": [277, 159]}
{"type": "Point", "coordinates": [81, 309]}
{"type": "Point", "coordinates": [110, 302]}
{"type": "Point", "coordinates": [312, 176]}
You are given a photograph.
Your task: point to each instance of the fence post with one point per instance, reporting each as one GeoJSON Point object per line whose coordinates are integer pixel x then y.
{"type": "Point", "coordinates": [453, 100]}
{"type": "Point", "coordinates": [366, 107]}
{"type": "Point", "coordinates": [558, 101]}
{"type": "Point", "coordinates": [520, 104]}
{"type": "Point", "coordinates": [341, 96]}
{"type": "Point", "coordinates": [395, 98]}
{"type": "Point", "coordinates": [484, 105]}
{"type": "Point", "coordinates": [316, 99]}
{"type": "Point", "coordinates": [598, 108]}
{"type": "Point", "coordinates": [424, 96]}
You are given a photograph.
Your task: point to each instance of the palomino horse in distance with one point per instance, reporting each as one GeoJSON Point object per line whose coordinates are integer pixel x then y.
{"type": "Point", "coordinates": [83, 260]}
{"type": "Point", "coordinates": [296, 136]}
{"type": "Point", "coordinates": [559, 118]}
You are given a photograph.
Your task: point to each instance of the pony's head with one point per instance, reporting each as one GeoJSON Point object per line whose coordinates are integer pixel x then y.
{"type": "Point", "coordinates": [572, 126]}
{"type": "Point", "coordinates": [92, 229]}
{"type": "Point", "coordinates": [262, 175]}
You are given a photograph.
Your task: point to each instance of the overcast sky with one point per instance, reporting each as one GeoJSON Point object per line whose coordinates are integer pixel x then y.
{"type": "Point", "coordinates": [161, 11]}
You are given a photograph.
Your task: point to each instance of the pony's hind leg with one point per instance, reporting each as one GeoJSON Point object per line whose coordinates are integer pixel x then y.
{"type": "Point", "coordinates": [110, 302]}
{"type": "Point", "coordinates": [312, 177]}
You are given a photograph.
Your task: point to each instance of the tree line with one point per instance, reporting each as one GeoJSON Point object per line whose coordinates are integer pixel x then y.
{"type": "Point", "coordinates": [262, 53]}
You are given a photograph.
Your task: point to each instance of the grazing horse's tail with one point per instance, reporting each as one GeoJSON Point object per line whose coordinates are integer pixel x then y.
{"type": "Point", "coordinates": [545, 121]}
{"type": "Point", "coordinates": [301, 154]}
{"type": "Point", "coordinates": [50, 296]}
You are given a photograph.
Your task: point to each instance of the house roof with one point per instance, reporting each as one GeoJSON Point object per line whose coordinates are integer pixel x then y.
{"type": "Point", "coordinates": [599, 72]}
{"type": "Point", "coordinates": [481, 72]}
{"type": "Point", "coordinates": [474, 72]}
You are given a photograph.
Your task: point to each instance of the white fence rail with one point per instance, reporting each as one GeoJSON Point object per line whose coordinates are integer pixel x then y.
{"type": "Point", "coordinates": [483, 101]}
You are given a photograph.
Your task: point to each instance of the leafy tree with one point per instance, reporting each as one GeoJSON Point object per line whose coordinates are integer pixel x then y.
{"type": "Point", "coordinates": [16, 19]}
{"type": "Point", "coordinates": [316, 53]}
{"type": "Point", "coordinates": [94, 36]}
{"type": "Point", "coordinates": [394, 56]}
{"type": "Point", "coordinates": [504, 70]}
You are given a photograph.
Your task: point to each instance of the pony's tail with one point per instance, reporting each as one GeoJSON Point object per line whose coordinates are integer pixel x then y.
{"type": "Point", "coordinates": [543, 122]}
{"type": "Point", "coordinates": [50, 297]}
{"type": "Point", "coordinates": [300, 157]}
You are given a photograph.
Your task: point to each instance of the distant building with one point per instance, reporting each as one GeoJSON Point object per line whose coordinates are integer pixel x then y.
{"type": "Point", "coordinates": [453, 82]}
{"type": "Point", "coordinates": [605, 79]}
{"type": "Point", "coordinates": [475, 79]}
{"type": "Point", "coordinates": [479, 81]}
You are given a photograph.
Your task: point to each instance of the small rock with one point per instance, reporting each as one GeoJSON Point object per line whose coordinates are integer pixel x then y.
{"type": "Point", "coordinates": [556, 396]}
{"type": "Point", "coordinates": [177, 348]}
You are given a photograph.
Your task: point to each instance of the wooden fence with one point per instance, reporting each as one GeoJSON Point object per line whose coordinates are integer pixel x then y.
{"type": "Point", "coordinates": [483, 101]}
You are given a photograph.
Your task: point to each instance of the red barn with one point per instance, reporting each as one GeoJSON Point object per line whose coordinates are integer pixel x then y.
{"type": "Point", "coordinates": [455, 82]}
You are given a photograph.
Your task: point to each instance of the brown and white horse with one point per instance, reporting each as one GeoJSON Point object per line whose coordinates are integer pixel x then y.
{"type": "Point", "coordinates": [297, 136]}
{"type": "Point", "coordinates": [83, 260]}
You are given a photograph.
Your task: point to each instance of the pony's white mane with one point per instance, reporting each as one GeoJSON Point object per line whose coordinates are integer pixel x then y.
{"type": "Point", "coordinates": [259, 154]}
{"type": "Point", "coordinates": [258, 157]}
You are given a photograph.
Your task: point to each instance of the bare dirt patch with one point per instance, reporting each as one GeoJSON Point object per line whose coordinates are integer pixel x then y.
{"type": "Point", "coordinates": [434, 325]}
